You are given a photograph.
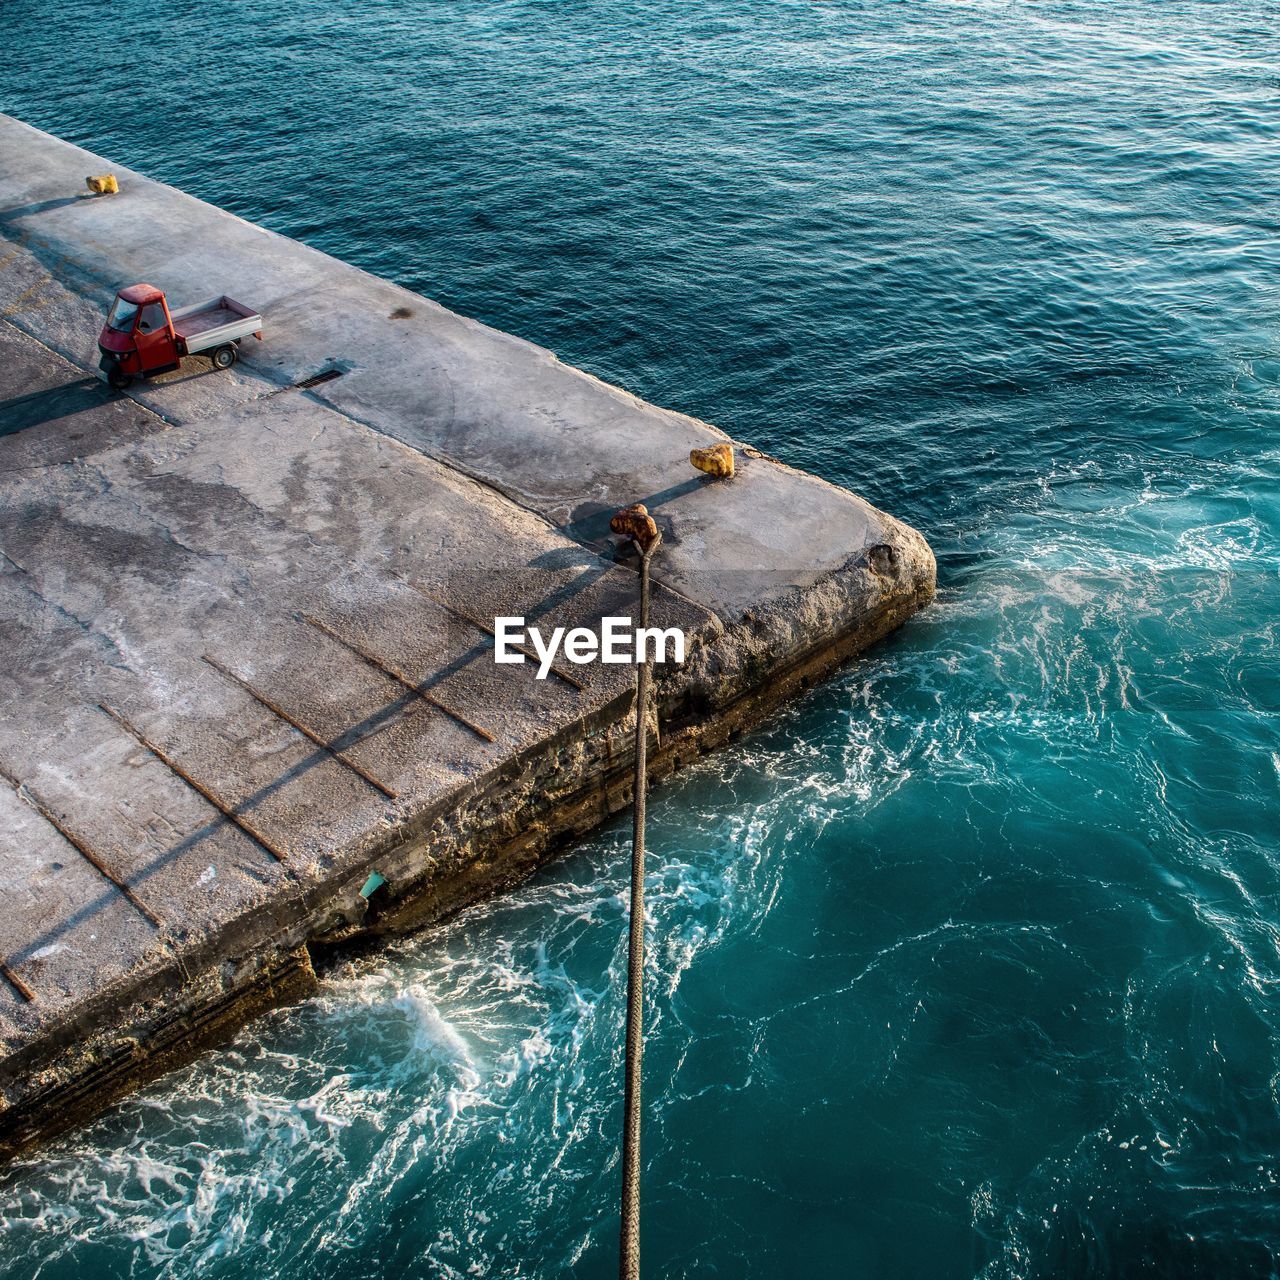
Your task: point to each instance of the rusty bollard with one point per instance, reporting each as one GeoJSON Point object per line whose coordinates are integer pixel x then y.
{"type": "Point", "coordinates": [636, 523]}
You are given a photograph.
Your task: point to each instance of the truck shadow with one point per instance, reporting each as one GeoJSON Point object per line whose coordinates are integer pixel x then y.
{"type": "Point", "coordinates": [186, 372]}
{"type": "Point", "coordinates": [42, 407]}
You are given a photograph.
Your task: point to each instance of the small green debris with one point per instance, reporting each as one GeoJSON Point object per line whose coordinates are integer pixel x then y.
{"type": "Point", "coordinates": [372, 884]}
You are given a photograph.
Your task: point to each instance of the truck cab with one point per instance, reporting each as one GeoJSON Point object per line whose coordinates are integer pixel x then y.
{"type": "Point", "coordinates": [142, 337]}
{"type": "Point", "coordinates": [138, 339]}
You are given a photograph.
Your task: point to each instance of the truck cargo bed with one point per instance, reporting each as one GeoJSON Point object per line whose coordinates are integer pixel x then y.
{"type": "Point", "coordinates": [212, 323]}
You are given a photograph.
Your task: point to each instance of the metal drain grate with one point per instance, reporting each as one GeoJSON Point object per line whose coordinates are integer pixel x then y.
{"type": "Point", "coordinates": [325, 375]}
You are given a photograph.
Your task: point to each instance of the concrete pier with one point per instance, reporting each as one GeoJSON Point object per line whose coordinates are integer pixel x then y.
{"type": "Point", "coordinates": [244, 622]}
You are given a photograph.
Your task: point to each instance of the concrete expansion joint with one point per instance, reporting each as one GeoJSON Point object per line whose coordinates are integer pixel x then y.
{"type": "Point", "coordinates": [228, 811]}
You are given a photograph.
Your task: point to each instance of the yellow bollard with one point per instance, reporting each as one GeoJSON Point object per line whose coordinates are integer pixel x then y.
{"type": "Point", "coordinates": [105, 185]}
{"type": "Point", "coordinates": [716, 461]}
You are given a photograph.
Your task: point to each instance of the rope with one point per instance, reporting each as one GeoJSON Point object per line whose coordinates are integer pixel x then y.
{"type": "Point", "coordinates": [629, 1260]}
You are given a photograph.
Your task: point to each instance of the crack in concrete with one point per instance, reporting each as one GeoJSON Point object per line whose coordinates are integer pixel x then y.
{"type": "Point", "coordinates": [90, 629]}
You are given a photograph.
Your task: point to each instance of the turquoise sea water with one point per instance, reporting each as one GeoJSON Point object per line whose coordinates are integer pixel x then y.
{"type": "Point", "coordinates": [968, 965]}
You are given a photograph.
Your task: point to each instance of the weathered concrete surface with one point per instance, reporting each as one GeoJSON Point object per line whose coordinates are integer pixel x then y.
{"type": "Point", "coordinates": [240, 621]}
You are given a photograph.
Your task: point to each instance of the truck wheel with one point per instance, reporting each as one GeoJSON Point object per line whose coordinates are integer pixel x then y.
{"type": "Point", "coordinates": [223, 357]}
{"type": "Point", "coordinates": [118, 379]}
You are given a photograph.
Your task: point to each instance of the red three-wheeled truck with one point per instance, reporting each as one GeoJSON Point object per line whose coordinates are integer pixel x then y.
{"type": "Point", "coordinates": [143, 337]}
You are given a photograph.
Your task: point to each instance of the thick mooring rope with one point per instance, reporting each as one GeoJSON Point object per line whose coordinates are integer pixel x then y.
{"type": "Point", "coordinates": [629, 1257]}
